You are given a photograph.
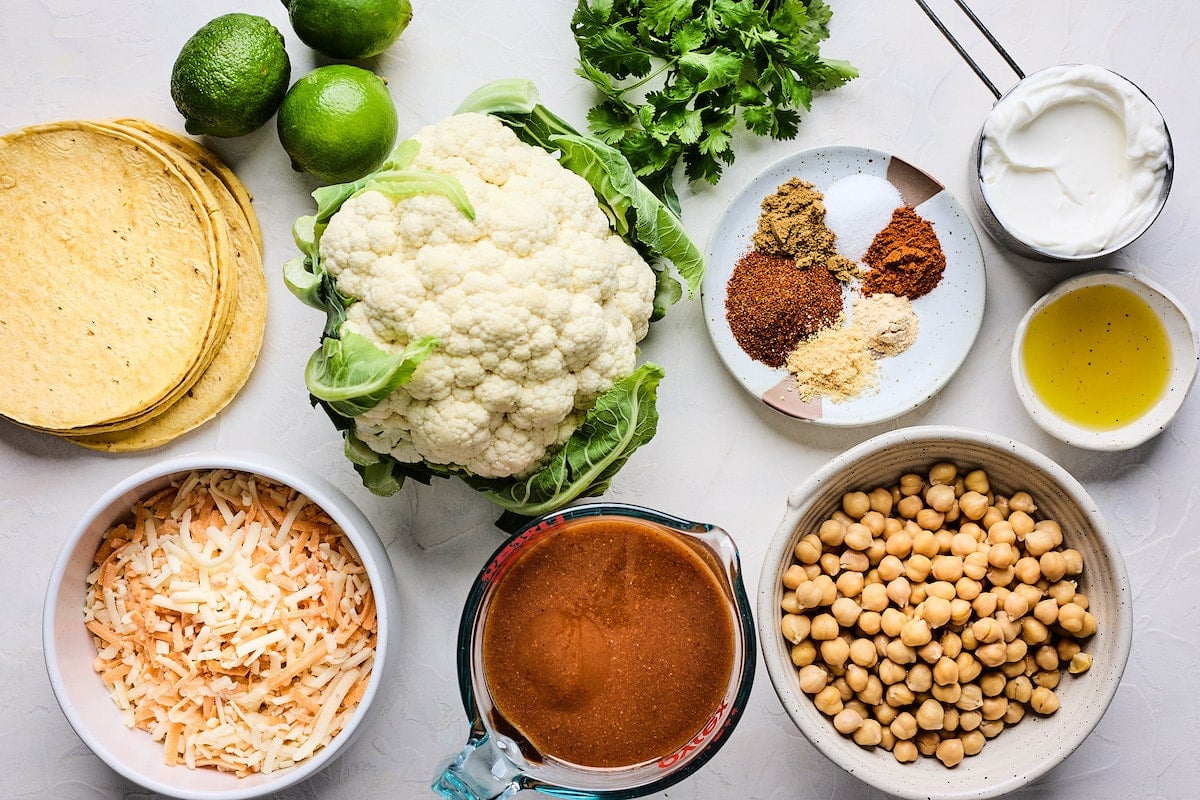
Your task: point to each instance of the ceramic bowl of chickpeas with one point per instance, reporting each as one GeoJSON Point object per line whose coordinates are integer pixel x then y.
{"type": "Point", "coordinates": [944, 613]}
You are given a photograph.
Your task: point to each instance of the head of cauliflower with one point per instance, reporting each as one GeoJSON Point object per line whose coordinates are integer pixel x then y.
{"type": "Point", "coordinates": [536, 304]}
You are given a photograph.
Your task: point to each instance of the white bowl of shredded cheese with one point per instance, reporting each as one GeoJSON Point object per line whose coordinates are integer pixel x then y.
{"type": "Point", "coordinates": [217, 625]}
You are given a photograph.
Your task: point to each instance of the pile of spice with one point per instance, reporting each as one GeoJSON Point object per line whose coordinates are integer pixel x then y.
{"type": "Point", "coordinates": [792, 225]}
{"type": "Point", "coordinates": [905, 258]}
{"type": "Point", "coordinates": [841, 363]}
{"type": "Point", "coordinates": [771, 303]}
{"type": "Point", "coordinates": [784, 299]}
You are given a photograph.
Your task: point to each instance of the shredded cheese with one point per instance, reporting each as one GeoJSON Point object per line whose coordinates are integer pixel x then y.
{"type": "Point", "coordinates": [233, 621]}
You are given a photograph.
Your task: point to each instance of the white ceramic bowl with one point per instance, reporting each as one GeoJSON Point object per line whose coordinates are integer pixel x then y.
{"type": "Point", "coordinates": [1185, 353]}
{"type": "Point", "coordinates": [69, 649]}
{"type": "Point", "coordinates": [1021, 753]}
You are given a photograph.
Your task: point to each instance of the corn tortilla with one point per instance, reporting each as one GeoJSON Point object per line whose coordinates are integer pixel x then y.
{"type": "Point", "coordinates": [237, 355]}
{"type": "Point", "coordinates": [114, 269]}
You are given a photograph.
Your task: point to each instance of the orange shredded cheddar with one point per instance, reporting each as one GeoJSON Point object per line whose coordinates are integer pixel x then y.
{"type": "Point", "coordinates": [233, 657]}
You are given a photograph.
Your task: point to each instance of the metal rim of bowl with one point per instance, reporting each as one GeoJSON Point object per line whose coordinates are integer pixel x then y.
{"type": "Point", "coordinates": [357, 529]}
{"type": "Point", "coordinates": [778, 663]}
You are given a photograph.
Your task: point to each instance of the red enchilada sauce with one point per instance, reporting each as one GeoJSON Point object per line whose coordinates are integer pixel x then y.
{"type": "Point", "coordinates": [608, 643]}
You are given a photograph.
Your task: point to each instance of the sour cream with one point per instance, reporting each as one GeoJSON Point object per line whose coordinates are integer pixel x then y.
{"type": "Point", "coordinates": [1073, 160]}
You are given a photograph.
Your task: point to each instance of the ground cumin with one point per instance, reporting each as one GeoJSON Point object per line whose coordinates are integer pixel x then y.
{"type": "Point", "coordinates": [905, 258]}
{"type": "Point", "coordinates": [771, 304]}
{"type": "Point", "coordinates": [792, 224]}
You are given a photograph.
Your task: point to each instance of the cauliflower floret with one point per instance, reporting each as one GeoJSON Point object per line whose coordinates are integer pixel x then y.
{"type": "Point", "coordinates": [536, 304]}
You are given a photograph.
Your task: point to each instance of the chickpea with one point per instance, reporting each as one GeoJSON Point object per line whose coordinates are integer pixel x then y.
{"type": "Point", "coordinates": [919, 592]}
{"type": "Point", "coordinates": [828, 701]}
{"type": "Point", "coordinates": [911, 483]}
{"type": "Point", "coordinates": [847, 721]}
{"type": "Point", "coordinates": [973, 505]}
{"type": "Point", "coordinates": [1044, 701]}
{"type": "Point", "coordinates": [936, 611]}
{"type": "Point", "coordinates": [1001, 577]}
{"type": "Point", "coordinates": [905, 752]}
{"type": "Point", "coordinates": [994, 707]}
{"type": "Point", "coordinates": [940, 497]}
{"type": "Point", "coordinates": [930, 715]}
{"type": "Point", "coordinates": [880, 501]}
{"type": "Point", "coordinates": [951, 644]}
{"type": "Point", "coordinates": [830, 563]}
{"type": "Point", "coordinates": [950, 722]}
{"type": "Point", "coordinates": [1053, 565]}
{"type": "Point", "coordinates": [948, 694]}
{"type": "Point", "coordinates": [890, 567]}
{"type": "Point", "coordinates": [1062, 591]}
{"type": "Point", "coordinates": [868, 622]}
{"type": "Point", "coordinates": [804, 653]}
{"type": "Point", "coordinates": [971, 698]}
{"type": "Point", "coordinates": [972, 742]}
{"type": "Point", "coordinates": [1016, 606]}
{"type": "Point", "coordinates": [891, 621]}
{"type": "Point", "coordinates": [927, 742]}
{"type": "Point", "coordinates": [813, 678]}
{"type": "Point", "coordinates": [886, 716]}
{"type": "Point", "coordinates": [1074, 561]}
{"type": "Point", "coordinates": [876, 551]}
{"type": "Point", "coordinates": [899, 591]}
{"type": "Point", "coordinates": [890, 672]}
{"type": "Point", "coordinates": [1080, 662]}
{"type": "Point", "coordinates": [806, 596]}
{"type": "Point", "coordinates": [874, 597]}
{"type": "Point", "coordinates": [901, 653]}
{"type": "Point", "coordinates": [795, 627]}
{"type": "Point", "coordinates": [1047, 679]}
{"type": "Point", "coordinates": [915, 632]}
{"type": "Point", "coordinates": [918, 568]}
{"type": "Point", "coordinates": [899, 544]}
{"type": "Point", "coordinates": [945, 671]}
{"type": "Point", "coordinates": [855, 504]}
{"type": "Point", "coordinates": [993, 514]}
{"type": "Point", "coordinates": [969, 667]}
{"type": "Point", "coordinates": [845, 611]}
{"type": "Point", "coordinates": [835, 652]}
{"type": "Point", "coordinates": [993, 654]}
{"type": "Point", "coordinates": [909, 506]}
{"type": "Point", "coordinates": [843, 689]}
{"type": "Point", "coordinates": [904, 726]}
{"type": "Point", "coordinates": [991, 728]}
{"type": "Point", "coordinates": [872, 693]}
{"type": "Point", "coordinates": [930, 652]}
{"type": "Point", "coordinates": [950, 751]}
{"type": "Point", "coordinates": [1066, 649]}
{"type": "Point", "coordinates": [947, 567]}
{"type": "Point", "coordinates": [1046, 611]}
{"type": "Point", "coordinates": [920, 678]}
{"type": "Point", "coordinates": [1070, 618]}
{"type": "Point", "coordinates": [868, 734]}
{"type": "Point", "coordinates": [975, 565]}
{"type": "Point", "coordinates": [1027, 570]}
{"type": "Point", "coordinates": [863, 653]}
{"type": "Point", "coordinates": [808, 549]}
{"type": "Point", "coordinates": [925, 541]}
{"type": "Point", "coordinates": [898, 696]}
{"type": "Point", "coordinates": [969, 720]}
{"type": "Point", "coordinates": [827, 587]}
{"type": "Point", "coordinates": [858, 536]}
{"type": "Point", "coordinates": [850, 584]}
{"type": "Point", "coordinates": [1033, 631]}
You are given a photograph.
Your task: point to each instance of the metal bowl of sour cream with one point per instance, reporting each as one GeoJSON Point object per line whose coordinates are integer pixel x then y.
{"type": "Point", "coordinates": [1074, 162]}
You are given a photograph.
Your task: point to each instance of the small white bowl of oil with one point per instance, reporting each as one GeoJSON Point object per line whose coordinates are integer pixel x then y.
{"type": "Point", "coordinates": [1104, 360]}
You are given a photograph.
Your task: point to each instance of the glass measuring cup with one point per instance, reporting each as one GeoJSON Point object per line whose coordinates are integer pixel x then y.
{"type": "Point", "coordinates": [497, 761]}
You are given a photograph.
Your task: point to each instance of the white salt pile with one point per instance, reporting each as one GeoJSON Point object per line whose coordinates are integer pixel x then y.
{"type": "Point", "coordinates": [856, 208]}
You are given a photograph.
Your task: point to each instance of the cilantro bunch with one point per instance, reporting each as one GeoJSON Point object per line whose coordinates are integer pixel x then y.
{"type": "Point", "coordinates": [676, 76]}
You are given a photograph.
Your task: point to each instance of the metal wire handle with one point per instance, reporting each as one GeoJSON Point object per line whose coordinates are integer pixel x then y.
{"type": "Point", "coordinates": [963, 52]}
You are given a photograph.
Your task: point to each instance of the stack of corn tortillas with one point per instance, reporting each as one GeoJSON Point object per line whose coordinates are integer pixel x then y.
{"type": "Point", "coordinates": [133, 301]}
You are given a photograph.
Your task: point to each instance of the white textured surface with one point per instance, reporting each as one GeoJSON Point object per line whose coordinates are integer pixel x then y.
{"type": "Point", "coordinates": [719, 456]}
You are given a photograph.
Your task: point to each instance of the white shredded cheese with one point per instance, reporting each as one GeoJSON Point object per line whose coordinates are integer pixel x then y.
{"type": "Point", "coordinates": [233, 621]}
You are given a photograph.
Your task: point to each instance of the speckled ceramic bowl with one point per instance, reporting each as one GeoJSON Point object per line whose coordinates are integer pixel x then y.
{"type": "Point", "coordinates": [1019, 754]}
{"type": "Point", "coordinates": [69, 649]}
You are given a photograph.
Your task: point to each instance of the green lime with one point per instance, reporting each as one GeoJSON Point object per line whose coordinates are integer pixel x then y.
{"type": "Point", "coordinates": [230, 77]}
{"type": "Point", "coordinates": [337, 123]}
{"type": "Point", "coordinates": [349, 28]}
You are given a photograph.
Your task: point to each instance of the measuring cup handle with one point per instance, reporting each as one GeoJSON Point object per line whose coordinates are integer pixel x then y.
{"type": "Point", "coordinates": [480, 771]}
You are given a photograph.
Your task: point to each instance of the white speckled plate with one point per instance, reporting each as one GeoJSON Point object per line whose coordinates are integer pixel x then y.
{"type": "Point", "coordinates": [949, 315]}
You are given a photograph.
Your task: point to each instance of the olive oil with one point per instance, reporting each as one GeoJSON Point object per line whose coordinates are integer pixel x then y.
{"type": "Point", "coordinates": [1098, 357]}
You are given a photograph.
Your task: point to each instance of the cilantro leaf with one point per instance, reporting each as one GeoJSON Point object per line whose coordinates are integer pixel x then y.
{"type": "Point", "coordinates": [675, 78]}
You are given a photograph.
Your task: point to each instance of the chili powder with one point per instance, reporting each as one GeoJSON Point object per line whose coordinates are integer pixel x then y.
{"type": "Point", "coordinates": [905, 258]}
{"type": "Point", "coordinates": [771, 304]}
